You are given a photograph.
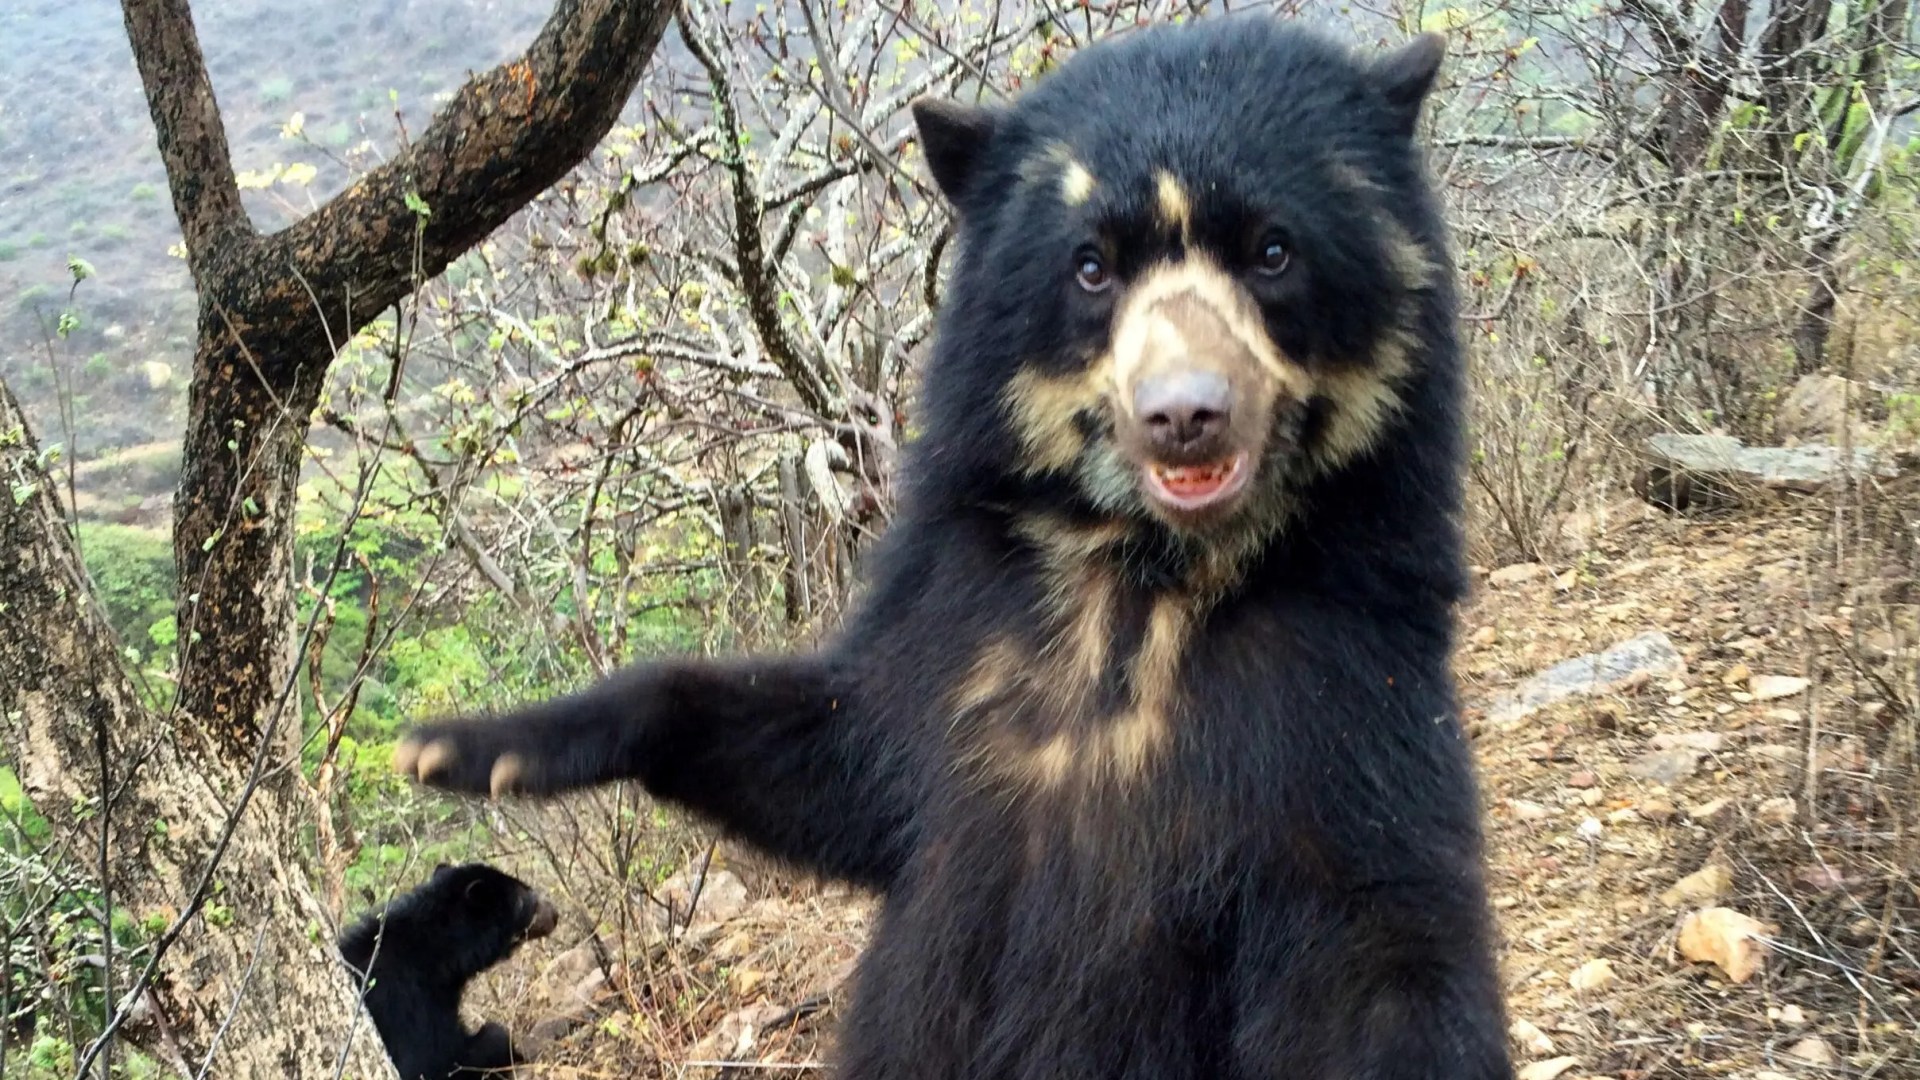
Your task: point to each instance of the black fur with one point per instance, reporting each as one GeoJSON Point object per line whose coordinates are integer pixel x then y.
{"type": "Point", "coordinates": [418, 953]}
{"type": "Point", "coordinates": [1290, 886]}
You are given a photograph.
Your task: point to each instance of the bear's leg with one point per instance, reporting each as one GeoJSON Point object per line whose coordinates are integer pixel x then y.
{"type": "Point", "coordinates": [777, 750]}
{"type": "Point", "coordinates": [1380, 984]}
{"type": "Point", "coordinates": [487, 1050]}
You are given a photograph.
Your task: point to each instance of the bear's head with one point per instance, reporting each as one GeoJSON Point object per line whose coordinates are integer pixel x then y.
{"type": "Point", "coordinates": [1198, 269]}
{"type": "Point", "coordinates": [489, 908]}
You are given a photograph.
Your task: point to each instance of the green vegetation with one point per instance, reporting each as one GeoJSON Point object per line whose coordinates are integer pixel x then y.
{"type": "Point", "coordinates": [33, 296]}
{"type": "Point", "coordinates": [132, 569]}
{"type": "Point", "coordinates": [34, 892]}
{"type": "Point", "coordinates": [276, 89]}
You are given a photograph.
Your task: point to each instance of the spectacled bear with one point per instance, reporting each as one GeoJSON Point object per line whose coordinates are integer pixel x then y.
{"type": "Point", "coordinates": [1145, 731]}
{"type": "Point", "coordinates": [417, 954]}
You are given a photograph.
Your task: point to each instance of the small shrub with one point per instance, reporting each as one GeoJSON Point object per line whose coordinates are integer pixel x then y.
{"type": "Point", "coordinates": [134, 571]}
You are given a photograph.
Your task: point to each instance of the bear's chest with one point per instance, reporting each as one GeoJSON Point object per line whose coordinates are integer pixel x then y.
{"type": "Point", "coordinates": [1083, 701]}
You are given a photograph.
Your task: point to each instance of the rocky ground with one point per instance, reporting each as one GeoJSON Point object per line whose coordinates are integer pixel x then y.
{"type": "Point", "coordinates": [1703, 852]}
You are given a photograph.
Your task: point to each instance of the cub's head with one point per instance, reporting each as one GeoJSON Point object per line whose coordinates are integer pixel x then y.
{"type": "Point", "coordinates": [1199, 270]}
{"type": "Point", "coordinates": [459, 922]}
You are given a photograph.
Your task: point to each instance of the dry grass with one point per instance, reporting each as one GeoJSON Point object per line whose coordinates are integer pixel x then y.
{"type": "Point", "coordinates": [1812, 590]}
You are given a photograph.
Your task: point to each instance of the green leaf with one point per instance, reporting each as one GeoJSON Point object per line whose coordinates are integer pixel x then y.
{"type": "Point", "coordinates": [418, 205]}
{"type": "Point", "coordinates": [80, 268]}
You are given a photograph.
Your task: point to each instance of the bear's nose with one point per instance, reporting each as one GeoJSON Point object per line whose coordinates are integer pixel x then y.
{"type": "Point", "coordinates": [1186, 412]}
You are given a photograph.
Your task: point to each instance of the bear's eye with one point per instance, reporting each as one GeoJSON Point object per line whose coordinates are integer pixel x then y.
{"type": "Point", "coordinates": [1272, 257]}
{"type": "Point", "coordinates": [1092, 272]}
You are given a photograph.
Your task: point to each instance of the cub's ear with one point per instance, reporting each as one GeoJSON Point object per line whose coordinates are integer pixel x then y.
{"type": "Point", "coordinates": [954, 137]}
{"type": "Point", "coordinates": [1406, 75]}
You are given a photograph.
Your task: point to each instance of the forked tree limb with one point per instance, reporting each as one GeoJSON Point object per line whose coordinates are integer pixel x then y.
{"type": "Point", "coordinates": [275, 308]}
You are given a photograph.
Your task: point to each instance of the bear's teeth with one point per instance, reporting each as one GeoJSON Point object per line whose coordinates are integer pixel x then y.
{"type": "Point", "coordinates": [1194, 479]}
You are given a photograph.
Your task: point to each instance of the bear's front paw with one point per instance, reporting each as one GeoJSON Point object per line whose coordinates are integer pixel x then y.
{"type": "Point", "coordinates": [479, 757]}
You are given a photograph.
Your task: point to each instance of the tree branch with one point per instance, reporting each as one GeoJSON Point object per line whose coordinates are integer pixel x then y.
{"type": "Point", "coordinates": [193, 141]}
{"type": "Point", "coordinates": [505, 137]}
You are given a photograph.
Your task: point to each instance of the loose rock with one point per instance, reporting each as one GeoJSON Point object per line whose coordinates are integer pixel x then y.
{"type": "Point", "coordinates": [1665, 767]}
{"type": "Point", "coordinates": [1648, 655]}
{"type": "Point", "coordinates": [1707, 741]}
{"type": "Point", "coordinates": [1686, 471]}
{"type": "Point", "coordinates": [1772, 687]}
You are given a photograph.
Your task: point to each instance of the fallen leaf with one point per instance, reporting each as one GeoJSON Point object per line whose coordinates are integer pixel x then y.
{"type": "Point", "coordinates": [1531, 1038]}
{"type": "Point", "coordinates": [1709, 810]}
{"type": "Point", "coordinates": [1515, 574]}
{"type": "Point", "coordinates": [1820, 878]}
{"type": "Point", "coordinates": [1737, 674]}
{"type": "Point", "coordinates": [1582, 779]}
{"type": "Point", "coordinates": [1725, 938]}
{"type": "Point", "coordinates": [1707, 883]}
{"type": "Point", "coordinates": [1772, 687]}
{"type": "Point", "coordinates": [1658, 811]}
{"type": "Point", "coordinates": [1524, 810]}
{"type": "Point", "coordinates": [1591, 975]}
{"type": "Point", "coordinates": [745, 981]}
{"type": "Point", "coordinates": [1776, 811]}
{"type": "Point", "coordinates": [1709, 741]}
{"type": "Point", "coordinates": [1548, 1069]}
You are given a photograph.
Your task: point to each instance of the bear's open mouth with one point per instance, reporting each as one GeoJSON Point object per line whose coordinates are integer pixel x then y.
{"type": "Point", "coordinates": [1197, 487]}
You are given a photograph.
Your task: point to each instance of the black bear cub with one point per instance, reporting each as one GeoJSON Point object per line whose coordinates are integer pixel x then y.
{"type": "Point", "coordinates": [1146, 731]}
{"type": "Point", "coordinates": [417, 954]}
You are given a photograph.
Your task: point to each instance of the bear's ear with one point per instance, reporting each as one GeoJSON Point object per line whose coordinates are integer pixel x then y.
{"type": "Point", "coordinates": [1406, 75]}
{"type": "Point", "coordinates": [954, 137]}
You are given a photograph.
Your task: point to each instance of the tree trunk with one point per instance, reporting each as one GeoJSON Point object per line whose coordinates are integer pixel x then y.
{"type": "Point", "coordinates": [249, 979]}
{"type": "Point", "coordinates": [1814, 325]}
{"type": "Point", "coordinates": [205, 824]}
